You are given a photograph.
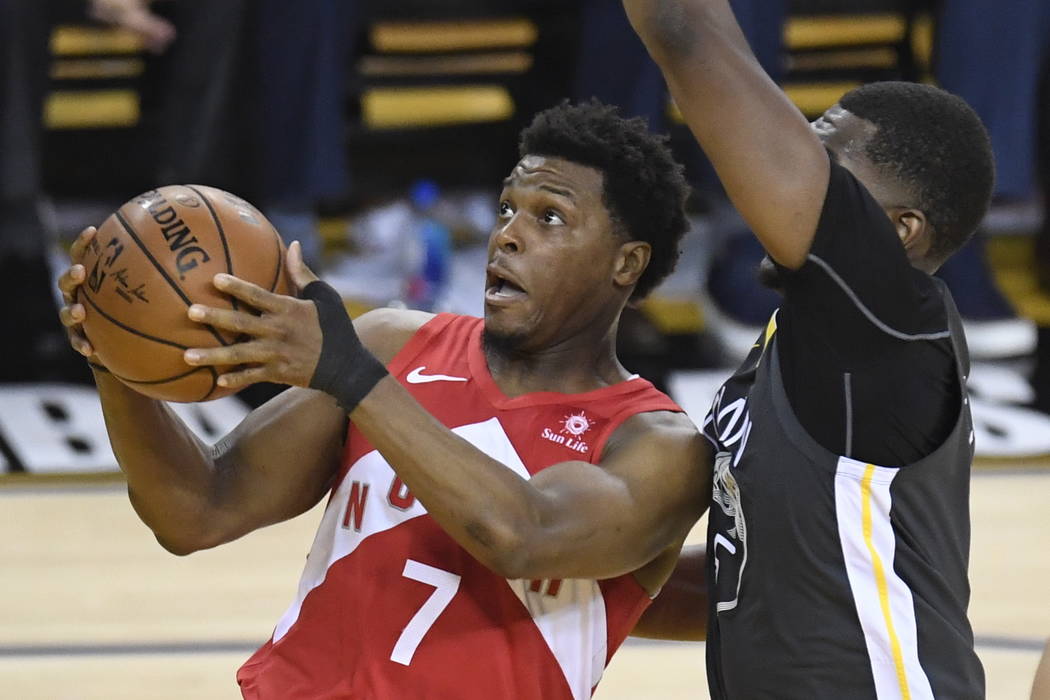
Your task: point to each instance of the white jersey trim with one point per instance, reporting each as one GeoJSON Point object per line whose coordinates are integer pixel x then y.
{"type": "Point", "coordinates": [883, 600]}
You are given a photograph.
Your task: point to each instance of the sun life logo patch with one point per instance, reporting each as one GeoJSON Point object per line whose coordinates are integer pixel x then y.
{"type": "Point", "coordinates": [573, 427]}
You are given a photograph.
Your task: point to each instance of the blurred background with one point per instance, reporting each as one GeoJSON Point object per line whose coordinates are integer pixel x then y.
{"type": "Point", "coordinates": [377, 133]}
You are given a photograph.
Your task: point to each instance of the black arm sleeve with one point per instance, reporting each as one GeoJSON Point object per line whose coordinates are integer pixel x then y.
{"type": "Point", "coordinates": [863, 337]}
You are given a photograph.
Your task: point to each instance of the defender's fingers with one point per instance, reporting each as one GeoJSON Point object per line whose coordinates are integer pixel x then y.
{"type": "Point", "coordinates": [237, 380]}
{"type": "Point", "coordinates": [70, 280]}
{"type": "Point", "coordinates": [236, 354]}
{"type": "Point", "coordinates": [76, 251]}
{"type": "Point", "coordinates": [229, 320]}
{"type": "Point", "coordinates": [251, 294]}
{"type": "Point", "coordinates": [301, 274]}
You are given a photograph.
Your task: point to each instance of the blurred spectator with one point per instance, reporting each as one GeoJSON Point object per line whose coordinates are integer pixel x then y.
{"type": "Point", "coordinates": [990, 55]}
{"type": "Point", "coordinates": [34, 346]}
{"type": "Point", "coordinates": [195, 101]}
{"type": "Point", "coordinates": [191, 107]}
{"type": "Point", "coordinates": [1041, 375]}
{"type": "Point", "coordinates": [303, 51]}
{"type": "Point", "coordinates": [615, 67]}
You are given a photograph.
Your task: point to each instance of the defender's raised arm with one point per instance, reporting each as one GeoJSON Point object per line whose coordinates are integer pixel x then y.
{"type": "Point", "coordinates": [770, 161]}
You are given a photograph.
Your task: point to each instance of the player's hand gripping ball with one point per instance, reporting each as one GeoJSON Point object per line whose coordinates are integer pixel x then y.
{"type": "Point", "coordinates": [148, 263]}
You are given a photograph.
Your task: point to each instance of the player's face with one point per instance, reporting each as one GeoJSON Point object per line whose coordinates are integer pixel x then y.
{"type": "Point", "coordinates": [551, 255]}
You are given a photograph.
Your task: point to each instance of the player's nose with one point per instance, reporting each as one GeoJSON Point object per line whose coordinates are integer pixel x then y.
{"type": "Point", "coordinates": [509, 237]}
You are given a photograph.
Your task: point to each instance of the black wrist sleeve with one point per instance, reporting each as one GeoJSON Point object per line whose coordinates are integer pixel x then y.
{"type": "Point", "coordinates": [345, 369]}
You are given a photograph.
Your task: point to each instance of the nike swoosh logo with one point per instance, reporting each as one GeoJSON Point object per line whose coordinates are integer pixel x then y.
{"type": "Point", "coordinates": [416, 376]}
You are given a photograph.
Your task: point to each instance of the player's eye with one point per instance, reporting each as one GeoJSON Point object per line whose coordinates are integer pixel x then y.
{"type": "Point", "coordinates": [505, 210]}
{"type": "Point", "coordinates": [552, 218]}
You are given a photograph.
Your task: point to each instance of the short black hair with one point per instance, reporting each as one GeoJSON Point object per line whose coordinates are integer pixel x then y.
{"type": "Point", "coordinates": [935, 144]}
{"type": "Point", "coordinates": [644, 188]}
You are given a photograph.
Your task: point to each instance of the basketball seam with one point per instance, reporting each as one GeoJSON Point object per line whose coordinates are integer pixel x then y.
{"type": "Point", "coordinates": [163, 272]}
{"type": "Point", "coordinates": [280, 259]}
{"type": "Point", "coordinates": [159, 381]}
{"type": "Point", "coordinates": [129, 329]}
{"type": "Point", "coordinates": [222, 238]}
{"type": "Point", "coordinates": [214, 383]}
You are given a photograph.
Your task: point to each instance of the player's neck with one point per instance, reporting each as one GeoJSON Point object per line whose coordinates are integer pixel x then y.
{"type": "Point", "coordinates": [574, 365]}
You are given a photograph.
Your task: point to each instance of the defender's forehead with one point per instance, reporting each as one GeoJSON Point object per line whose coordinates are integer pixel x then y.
{"type": "Point", "coordinates": [842, 132]}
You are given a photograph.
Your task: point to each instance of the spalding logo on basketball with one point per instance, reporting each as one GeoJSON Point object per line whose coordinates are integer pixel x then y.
{"type": "Point", "coordinates": [152, 259]}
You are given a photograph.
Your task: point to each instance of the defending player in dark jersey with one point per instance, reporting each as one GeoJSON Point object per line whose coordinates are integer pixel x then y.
{"type": "Point", "coordinates": [533, 509]}
{"type": "Point", "coordinates": [839, 534]}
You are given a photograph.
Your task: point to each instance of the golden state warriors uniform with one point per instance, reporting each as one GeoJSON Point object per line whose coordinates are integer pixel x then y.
{"type": "Point", "coordinates": [834, 576]}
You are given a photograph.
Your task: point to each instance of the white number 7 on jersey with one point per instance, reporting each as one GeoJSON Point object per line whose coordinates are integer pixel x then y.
{"type": "Point", "coordinates": [445, 585]}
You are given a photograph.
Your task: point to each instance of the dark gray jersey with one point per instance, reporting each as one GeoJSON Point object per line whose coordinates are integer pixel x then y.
{"type": "Point", "coordinates": [834, 578]}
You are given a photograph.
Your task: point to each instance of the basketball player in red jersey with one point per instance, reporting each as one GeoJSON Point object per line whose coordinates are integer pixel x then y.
{"type": "Point", "coordinates": [507, 498]}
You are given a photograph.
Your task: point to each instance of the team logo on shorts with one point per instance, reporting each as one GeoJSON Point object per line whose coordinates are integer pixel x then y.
{"type": "Point", "coordinates": [573, 427]}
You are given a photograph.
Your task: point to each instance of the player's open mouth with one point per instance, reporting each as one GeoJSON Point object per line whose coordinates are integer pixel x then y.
{"type": "Point", "coordinates": [499, 287]}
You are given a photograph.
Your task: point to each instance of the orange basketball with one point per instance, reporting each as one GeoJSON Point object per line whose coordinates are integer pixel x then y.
{"type": "Point", "coordinates": [154, 257]}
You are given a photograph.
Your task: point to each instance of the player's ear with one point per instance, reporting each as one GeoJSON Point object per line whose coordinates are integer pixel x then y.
{"type": "Point", "coordinates": [912, 227]}
{"type": "Point", "coordinates": [631, 261]}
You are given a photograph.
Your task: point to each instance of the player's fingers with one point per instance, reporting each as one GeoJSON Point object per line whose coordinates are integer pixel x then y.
{"type": "Point", "coordinates": [251, 294]}
{"type": "Point", "coordinates": [244, 377]}
{"type": "Point", "coordinates": [235, 321]}
{"type": "Point", "coordinates": [301, 274]}
{"type": "Point", "coordinates": [71, 315]}
{"type": "Point", "coordinates": [72, 320]}
{"type": "Point", "coordinates": [70, 280]}
{"type": "Point", "coordinates": [83, 240]}
{"type": "Point", "coordinates": [81, 344]}
{"type": "Point", "coordinates": [236, 354]}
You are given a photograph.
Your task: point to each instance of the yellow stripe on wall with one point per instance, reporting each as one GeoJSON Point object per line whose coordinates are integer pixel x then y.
{"type": "Point", "coordinates": [91, 109]}
{"type": "Point", "coordinates": [72, 40]}
{"type": "Point", "coordinates": [880, 581]}
{"type": "Point", "coordinates": [816, 31]}
{"type": "Point", "coordinates": [457, 35]}
{"type": "Point", "coordinates": [405, 107]}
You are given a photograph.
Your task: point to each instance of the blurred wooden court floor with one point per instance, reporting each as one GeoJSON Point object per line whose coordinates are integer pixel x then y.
{"type": "Point", "coordinates": [91, 608]}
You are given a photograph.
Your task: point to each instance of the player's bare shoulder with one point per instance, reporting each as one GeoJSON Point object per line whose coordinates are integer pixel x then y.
{"type": "Point", "coordinates": [670, 429]}
{"type": "Point", "coordinates": [385, 331]}
{"type": "Point", "coordinates": [666, 441]}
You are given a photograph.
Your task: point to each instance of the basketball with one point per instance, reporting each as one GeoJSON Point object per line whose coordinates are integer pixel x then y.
{"type": "Point", "coordinates": [152, 259]}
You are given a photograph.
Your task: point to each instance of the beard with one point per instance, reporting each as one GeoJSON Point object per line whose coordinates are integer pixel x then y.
{"type": "Point", "coordinates": [503, 344]}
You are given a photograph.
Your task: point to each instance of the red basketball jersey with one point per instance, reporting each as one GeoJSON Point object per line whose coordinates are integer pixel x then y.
{"type": "Point", "coordinates": [390, 607]}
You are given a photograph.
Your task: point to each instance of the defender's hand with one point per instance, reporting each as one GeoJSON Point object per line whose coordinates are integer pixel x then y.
{"type": "Point", "coordinates": [72, 313]}
{"type": "Point", "coordinates": [284, 340]}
